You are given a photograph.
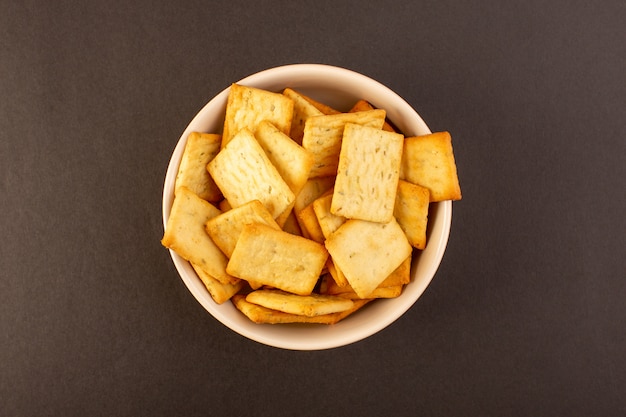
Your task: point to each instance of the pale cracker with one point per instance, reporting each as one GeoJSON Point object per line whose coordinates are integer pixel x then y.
{"type": "Point", "coordinates": [323, 136]}
{"type": "Point", "coordinates": [244, 173]}
{"type": "Point", "coordinates": [226, 228]}
{"type": "Point", "coordinates": [200, 149]}
{"type": "Point", "coordinates": [429, 161]}
{"type": "Point", "coordinates": [185, 235]}
{"type": "Point", "coordinates": [278, 259]}
{"type": "Point", "coordinates": [303, 305]}
{"type": "Point", "coordinates": [367, 177]}
{"type": "Point", "coordinates": [368, 252]}
{"type": "Point", "coordinates": [248, 106]}
{"type": "Point", "coordinates": [411, 212]}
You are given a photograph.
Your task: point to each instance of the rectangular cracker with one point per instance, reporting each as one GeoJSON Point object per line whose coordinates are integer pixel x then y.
{"type": "Point", "coordinates": [185, 235]}
{"type": "Point", "coordinates": [277, 259]}
{"type": "Point", "coordinates": [292, 161]}
{"type": "Point", "coordinates": [219, 292]}
{"type": "Point", "coordinates": [368, 173]}
{"type": "Point", "coordinates": [429, 161]}
{"type": "Point", "coordinates": [368, 252]}
{"type": "Point", "coordinates": [226, 228]}
{"type": "Point", "coordinates": [262, 315]}
{"type": "Point", "coordinates": [248, 106]}
{"type": "Point", "coordinates": [243, 172]}
{"type": "Point", "coordinates": [200, 149]}
{"type": "Point", "coordinates": [411, 212]}
{"type": "Point", "coordinates": [302, 110]}
{"type": "Point", "coordinates": [323, 136]}
{"type": "Point", "coordinates": [303, 305]}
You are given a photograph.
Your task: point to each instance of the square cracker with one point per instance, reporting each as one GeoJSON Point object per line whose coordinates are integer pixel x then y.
{"type": "Point", "coordinates": [368, 173]}
{"type": "Point", "coordinates": [278, 259]}
{"type": "Point", "coordinates": [411, 212]}
{"type": "Point", "coordinates": [200, 149]}
{"type": "Point", "coordinates": [368, 252]}
{"type": "Point", "coordinates": [323, 136]}
{"type": "Point", "coordinates": [429, 161]}
{"type": "Point", "coordinates": [248, 106]}
{"type": "Point", "coordinates": [244, 173]}
{"type": "Point", "coordinates": [185, 235]}
{"type": "Point", "coordinates": [226, 228]}
{"type": "Point", "coordinates": [292, 161]}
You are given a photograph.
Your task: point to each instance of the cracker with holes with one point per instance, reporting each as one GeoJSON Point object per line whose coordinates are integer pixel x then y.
{"type": "Point", "coordinates": [185, 235]}
{"type": "Point", "coordinates": [248, 106]}
{"type": "Point", "coordinates": [323, 137]}
{"type": "Point", "coordinates": [243, 172]}
{"type": "Point", "coordinates": [200, 149]}
{"type": "Point", "coordinates": [277, 259]}
{"type": "Point", "coordinates": [368, 252]}
{"type": "Point", "coordinates": [429, 161]}
{"type": "Point", "coordinates": [368, 173]}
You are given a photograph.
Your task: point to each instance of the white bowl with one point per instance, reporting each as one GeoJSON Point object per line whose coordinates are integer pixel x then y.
{"type": "Point", "coordinates": [340, 88]}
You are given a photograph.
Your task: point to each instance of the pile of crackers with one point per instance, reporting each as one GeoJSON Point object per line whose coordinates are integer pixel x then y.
{"type": "Point", "coordinates": [301, 213]}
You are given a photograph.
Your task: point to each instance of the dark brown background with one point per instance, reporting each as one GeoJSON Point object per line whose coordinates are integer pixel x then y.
{"type": "Point", "coordinates": [526, 314]}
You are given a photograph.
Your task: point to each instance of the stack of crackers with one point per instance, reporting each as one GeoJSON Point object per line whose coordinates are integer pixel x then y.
{"type": "Point", "coordinates": [301, 213]}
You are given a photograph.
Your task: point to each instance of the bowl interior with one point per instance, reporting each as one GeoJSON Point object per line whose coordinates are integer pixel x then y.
{"type": "Point", "coordinates": [339, 88]}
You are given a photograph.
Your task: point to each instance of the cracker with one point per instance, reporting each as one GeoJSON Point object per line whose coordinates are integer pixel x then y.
{"type": "Point", "coordinates": [219, 292]}
{"type": "Point", "coordinates": [185, 235]}
{"type": "Point", "coordinates": [248, 106]}
{"type": "Point", "coordinates": [368, 252]}
{"type": "Point", "coordinates": [200, 149]}
{"type": "Point", "coordinates": [367, 177]}
{"type": "Point", "coordinates": [303, 305]}
{"type": "Point", "coordinates": [302, 110]}
{"type": "Point", "coordinates": [244, 173]}
{"type": "Point", "coordinates": [291, 160]}
{"type": "Point", "coordinates": [262, 315]}
{"type": "Point", "coordinates": [323, 136]}
{"type": "Point", "coordinates": [411, 212]}
{"type": "Point", "coordinates": [323, 107]}
{"type": "Point", "coordinates": [313, 188]}
{"type": "Point", "coordinates": [328, 222]}
{"type": "Point", "coordinates": [309, 224]}
{"type": "Point", "coordinates": [226, 228]}
{"type": "Point", "coordinates": [363, 105]}
{"type": "Point", "coordinates": [429, 161]}
{"type": "Point", "coordinates": [278, 259]}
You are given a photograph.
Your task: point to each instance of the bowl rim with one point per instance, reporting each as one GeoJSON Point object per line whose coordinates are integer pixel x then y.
{"type": "Point", "coordinates": [261, 333]}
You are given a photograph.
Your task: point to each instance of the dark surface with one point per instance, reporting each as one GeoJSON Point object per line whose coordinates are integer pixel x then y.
{"type": "Point", "coordinates": [526, 314]}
